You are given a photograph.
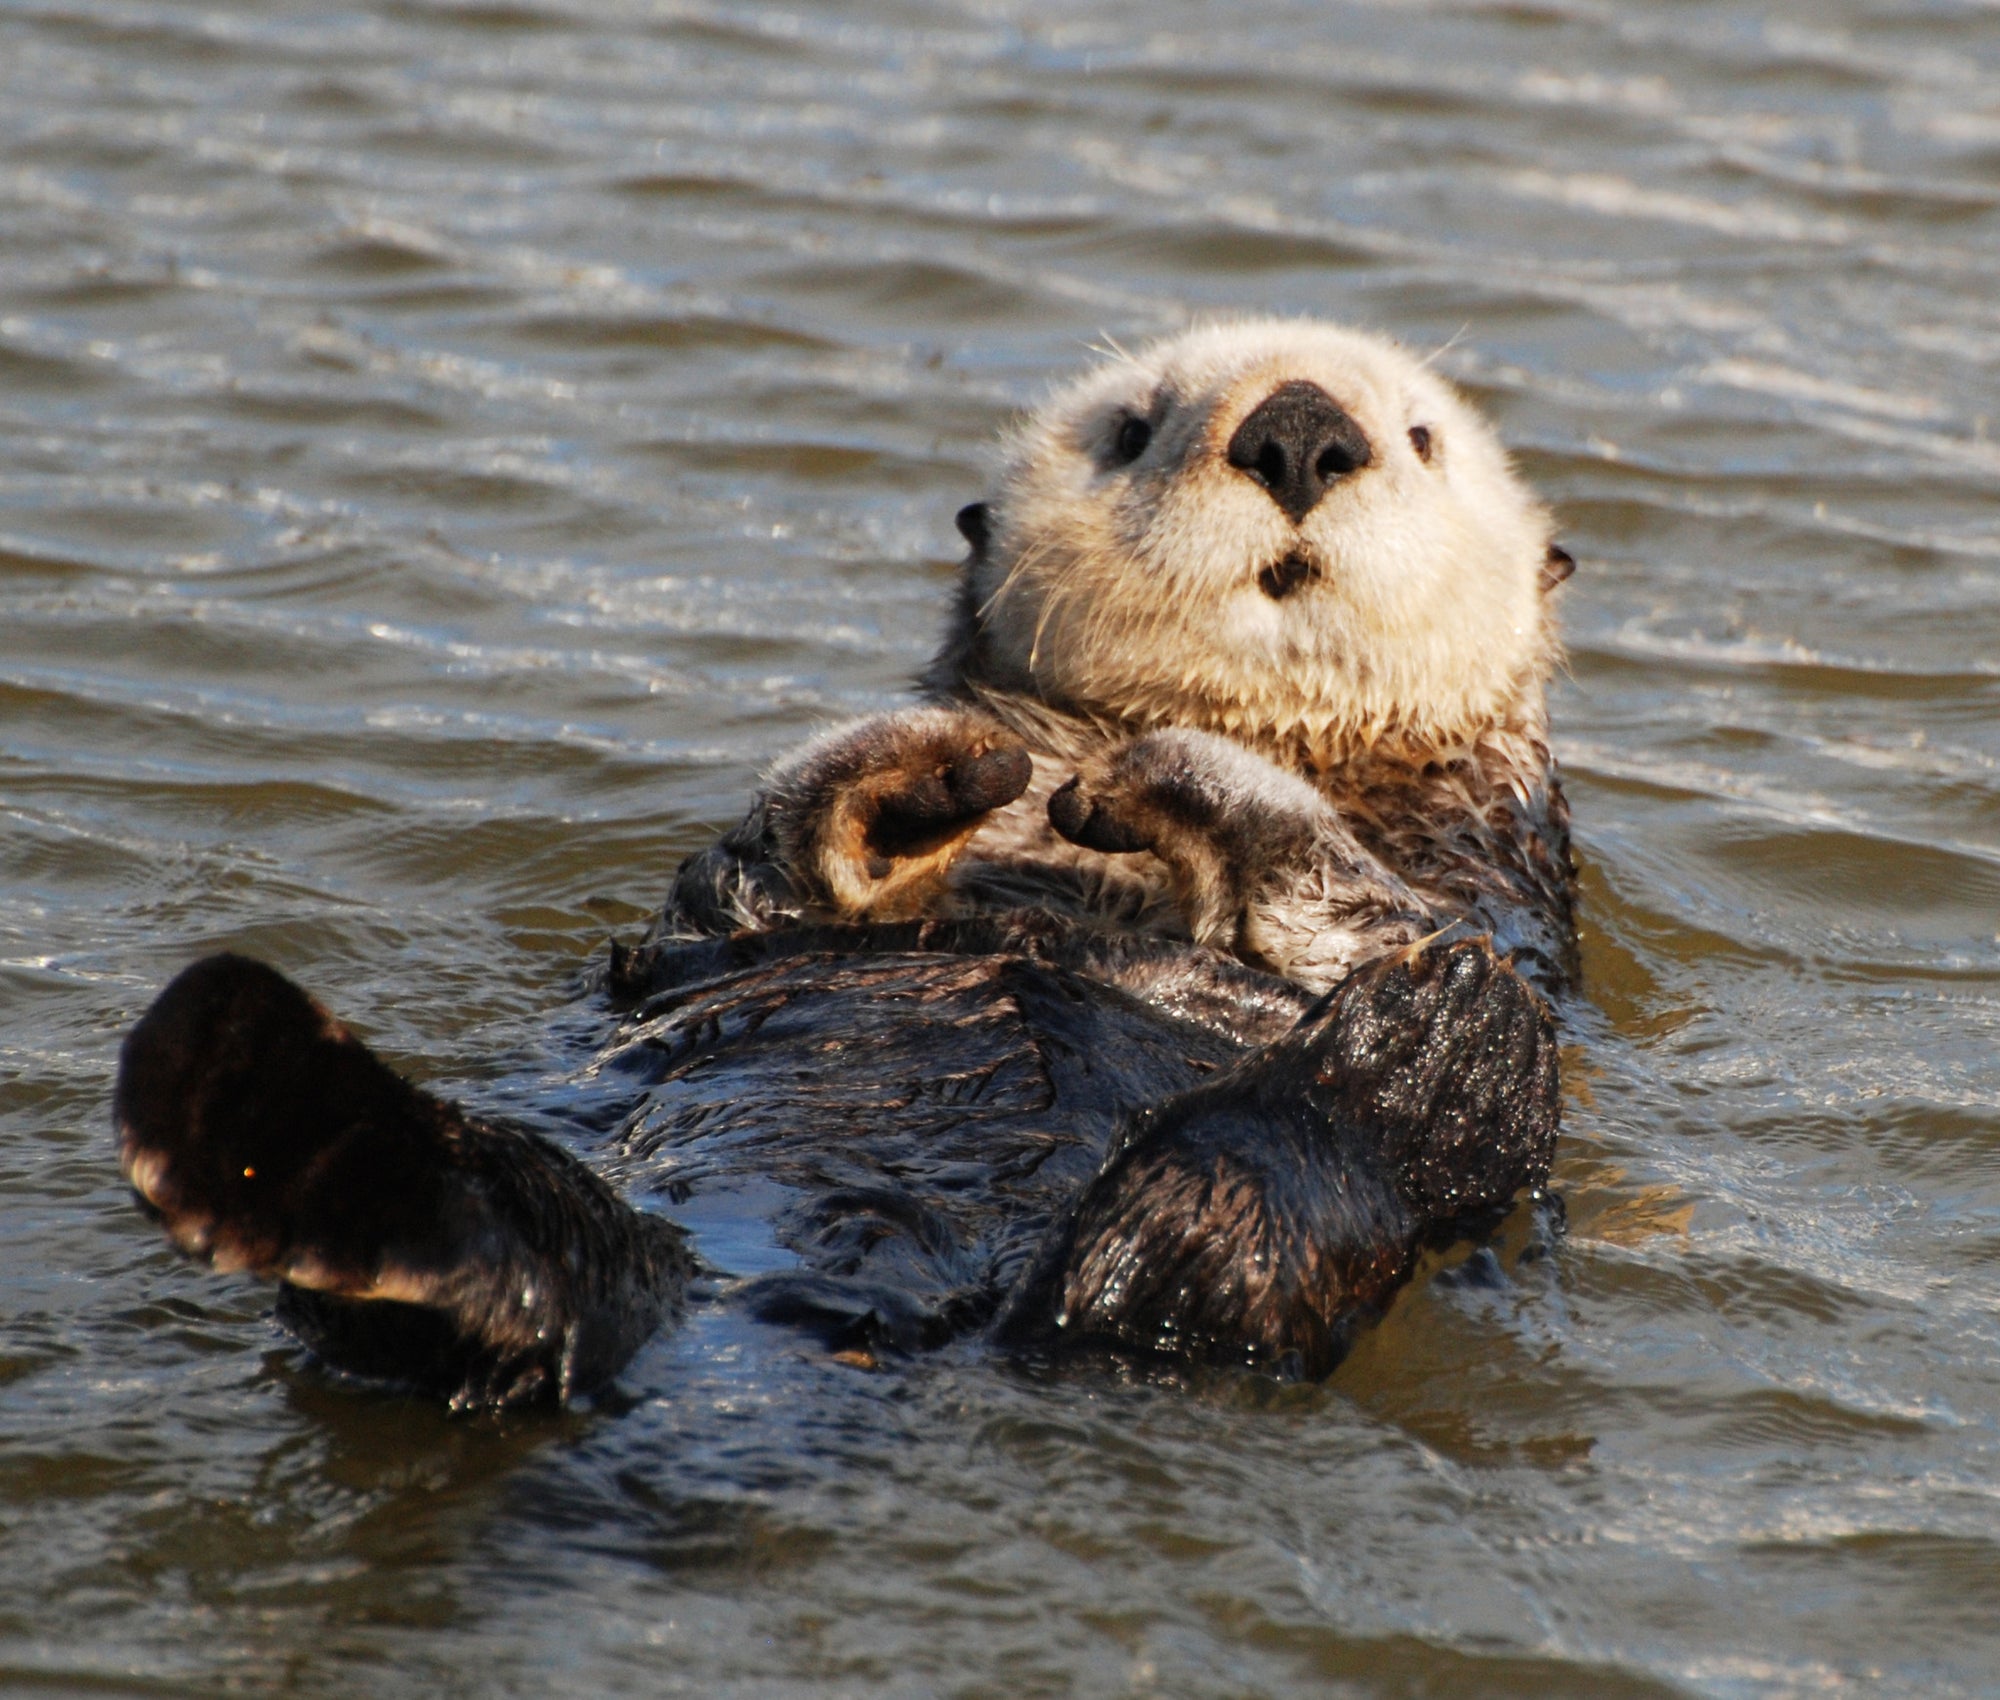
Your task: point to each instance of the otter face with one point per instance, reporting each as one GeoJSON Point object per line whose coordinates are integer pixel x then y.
{"type": "Point", "coordinates": [1277, 529]}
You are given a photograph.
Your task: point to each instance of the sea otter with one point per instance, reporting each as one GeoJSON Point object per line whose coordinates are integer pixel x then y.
{"type": "Point", "coordinates": [1163, 981]}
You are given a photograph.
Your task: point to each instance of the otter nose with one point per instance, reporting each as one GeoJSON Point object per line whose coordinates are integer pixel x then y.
{"type": "Point", "coordinates": [1296, 443]}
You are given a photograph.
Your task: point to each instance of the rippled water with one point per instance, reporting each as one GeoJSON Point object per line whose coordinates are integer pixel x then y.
{"type": "Point", "coordinates": [445, 448]}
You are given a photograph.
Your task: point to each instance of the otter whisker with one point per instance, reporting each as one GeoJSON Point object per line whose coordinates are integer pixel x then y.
{"type": "Point", "coordinates": [1446, 346]}
{"type": "Point", "coordinates": [1417, 947]}
{"type": "Point", "coordinates": [1059, 594]}
{"type": "Point", "coordinates": [1030, 558]}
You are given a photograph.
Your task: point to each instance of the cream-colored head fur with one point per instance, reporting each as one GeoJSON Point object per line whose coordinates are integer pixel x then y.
{"type": "Point", "coordinates": [1408, 603]}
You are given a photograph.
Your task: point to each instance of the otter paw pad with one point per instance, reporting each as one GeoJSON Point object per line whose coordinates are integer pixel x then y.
{"type": "Point", "coordinates": [915, 810]}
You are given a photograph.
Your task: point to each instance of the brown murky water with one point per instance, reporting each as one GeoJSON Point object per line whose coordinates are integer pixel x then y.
{"type": "Point", "coordinates": [444, 448]}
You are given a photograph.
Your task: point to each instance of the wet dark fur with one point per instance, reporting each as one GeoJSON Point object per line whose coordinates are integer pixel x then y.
{"type": "Point", "coordinates": [1260, 1216]}
{"type": "Point", "coordinates": [938, 1100]}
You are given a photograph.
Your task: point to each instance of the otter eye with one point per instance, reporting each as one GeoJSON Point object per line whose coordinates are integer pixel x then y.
{"type": "Point", "coordinates": [1133, 436]}
{"type": "Point", "coordinates": [1420, 440]}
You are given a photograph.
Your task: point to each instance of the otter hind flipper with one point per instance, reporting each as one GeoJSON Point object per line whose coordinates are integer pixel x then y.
{"type": "Point", "coordinates": [1261, 1217]}
{"type": "Point", "coordinates": [414, 1243]}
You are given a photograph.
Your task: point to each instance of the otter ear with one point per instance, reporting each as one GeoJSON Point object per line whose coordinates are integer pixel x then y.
{"type": "Point", "coordinates": [1558, 565]}
{"type": "Point", "coordinates": [975, 525]}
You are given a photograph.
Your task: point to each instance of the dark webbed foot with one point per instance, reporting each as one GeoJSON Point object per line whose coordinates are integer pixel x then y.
{"type": "Point", "coordinates": [416, 1243]}
{"type": "Point", "coordinates": [1258, 1218]}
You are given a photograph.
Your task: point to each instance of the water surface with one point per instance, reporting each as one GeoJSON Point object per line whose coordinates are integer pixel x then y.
{"type": "Point", "coordinates": [445, 448]}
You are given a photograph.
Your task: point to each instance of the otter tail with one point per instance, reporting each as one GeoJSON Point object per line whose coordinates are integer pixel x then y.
{"type": "Point", "coordinates": [1260, 1217]}
{"type": "Point", "coordinates": [414, 1243]}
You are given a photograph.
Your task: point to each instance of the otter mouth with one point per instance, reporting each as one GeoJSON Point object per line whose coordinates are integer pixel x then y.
{"type": "Point", "coordinates": [1281, 578]}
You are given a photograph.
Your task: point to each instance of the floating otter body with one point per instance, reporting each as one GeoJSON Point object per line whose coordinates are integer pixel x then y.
{"type": "Point", "coordinates": [1165, 980]}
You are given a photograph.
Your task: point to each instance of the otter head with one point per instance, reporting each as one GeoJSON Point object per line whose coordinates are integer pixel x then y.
{"type": "Point", "coordinates": [1278, 529]}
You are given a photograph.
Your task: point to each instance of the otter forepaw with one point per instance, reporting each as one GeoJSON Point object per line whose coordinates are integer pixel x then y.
{"type": "Point", "coordinates": [1149, 793]}
{"type": "Point", "coordinates": [1262, 865]}
{"type": "Point", "coordinates": [875, 816]}
{"type": "Point", "coordinates": [1093, 818]}
{"type": "Point", "coordinates": [1220, 817]}
{"type": "Point", "coordinates": [918, 803]}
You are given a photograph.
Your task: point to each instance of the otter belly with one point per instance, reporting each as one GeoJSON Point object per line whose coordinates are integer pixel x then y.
{"type": "Point", "coordinates": [906, 1123]}
{"type": "Point", "coordinates": [886, 1135]}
